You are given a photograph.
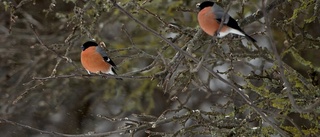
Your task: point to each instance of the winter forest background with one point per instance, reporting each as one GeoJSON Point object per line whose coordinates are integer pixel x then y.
{"type": "Point", "coordinates": [178, 81]}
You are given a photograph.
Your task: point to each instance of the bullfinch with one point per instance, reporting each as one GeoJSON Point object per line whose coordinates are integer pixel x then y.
{"type": "Point", "coordinates": [210, 16]}
{"type": "Point", "coordinates": [95, 60]}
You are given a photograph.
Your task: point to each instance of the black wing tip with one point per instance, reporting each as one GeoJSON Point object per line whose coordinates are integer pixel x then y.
{"type": "Point", "coordinates": [250, 38]}
{"type": "Point", "coordinates": [114, 71]}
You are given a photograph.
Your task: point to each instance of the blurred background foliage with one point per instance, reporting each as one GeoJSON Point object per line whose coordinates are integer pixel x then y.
{"type": "Point", "coordinates": [44, 86]}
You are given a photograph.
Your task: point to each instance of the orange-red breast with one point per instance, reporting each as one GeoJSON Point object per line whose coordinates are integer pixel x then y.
{"type": "Point", "coordinates": [95, 60]}
{"type": "Point", "coordinates": [210, 16]}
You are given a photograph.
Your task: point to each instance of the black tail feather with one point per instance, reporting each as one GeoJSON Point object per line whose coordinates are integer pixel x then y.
{"type": "Point", "coordinates": [249, 38]}
{"type": "Point", "coordinates": [114, 71]}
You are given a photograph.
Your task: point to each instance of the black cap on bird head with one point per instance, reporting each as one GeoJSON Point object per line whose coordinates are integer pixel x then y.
{"type": "Point", "coordinates": [204, 4]}
{"type": "Point", "coordinates": [88, 44]}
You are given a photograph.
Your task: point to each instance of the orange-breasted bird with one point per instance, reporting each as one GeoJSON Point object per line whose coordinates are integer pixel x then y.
{"type": "Point", "coordinates": [95, 60]}
{"type": "Point", "coordinates": [210, 16]}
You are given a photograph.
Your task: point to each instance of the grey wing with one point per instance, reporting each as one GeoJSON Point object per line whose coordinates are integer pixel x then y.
{"type": "Point", "coordinates": [105, 56]}
{"type": "Point", "coordinates": [228, 20]}
{"type": "Point", "coordinates": [219, 13]}
{"type": "Point", "coordinates": [101, 51]}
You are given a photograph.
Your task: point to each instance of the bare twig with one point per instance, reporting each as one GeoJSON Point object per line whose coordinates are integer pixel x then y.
{"type": "Point", "coordinates": [15, 101]}
{"type": "Point", "coordinates": [42, 44]}
{"type": "Point", "coordinates": [130, 129]}
{"type": "Point", "coordinates": [90, 75]}
{"type": "Point", "coordinates": [54, 70]}
{"type": "Point", "coordinates": [259, 14]}
{"type": "Point", "coordinates": [21, 3]}
{"type": "Point", "coordinates": [123, 28]}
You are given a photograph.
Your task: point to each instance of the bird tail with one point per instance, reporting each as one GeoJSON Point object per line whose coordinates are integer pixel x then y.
{"type": "Point", "coordinates": [242, 33]}
{"type": "Point", "coordinates": [115, 73]}
{"type": "Point", "coordinates": [249, 38]}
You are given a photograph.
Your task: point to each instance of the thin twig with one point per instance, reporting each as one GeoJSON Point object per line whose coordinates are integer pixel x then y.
{"type": "Point", "coordinates": [123, 28]}
{"type": "Point", "coordinates": [42, 44]}
{"type": "Point", "coordinates": [15, 101]}
{"type": "Point", "coordinates": [259, 14]}
{"type": "Point", "coordinates": [107, 76]}
{"type": "Point", "coordinates": [121, 130]}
